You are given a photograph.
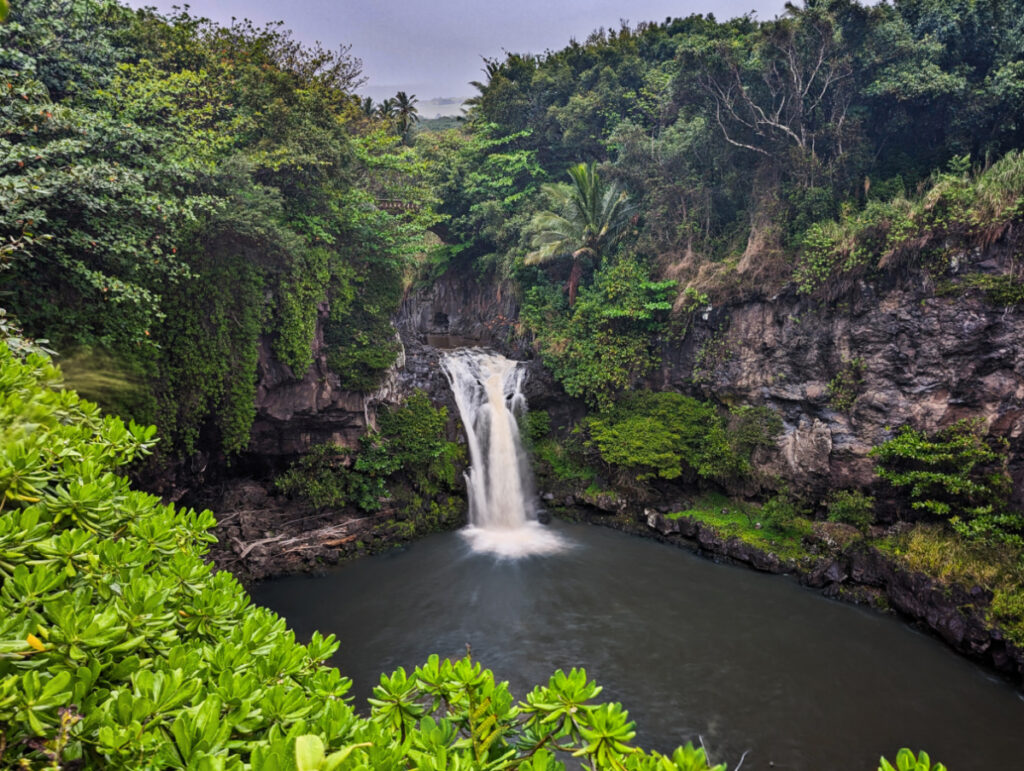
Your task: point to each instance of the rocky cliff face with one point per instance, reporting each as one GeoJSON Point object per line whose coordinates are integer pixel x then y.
{"type": "Point", "coordinates": [917, 358]}
{"type": "Point", "coordinates": [920, 359]}
{"type": "Point", "coordinates": [293, 414]}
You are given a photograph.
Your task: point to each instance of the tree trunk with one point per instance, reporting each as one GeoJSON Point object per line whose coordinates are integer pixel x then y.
{"type": "Point", "coordinates": [574, 279]}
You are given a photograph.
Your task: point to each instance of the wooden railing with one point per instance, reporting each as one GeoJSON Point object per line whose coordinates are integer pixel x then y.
{"type": "Point", "coordinates": [394, 205]}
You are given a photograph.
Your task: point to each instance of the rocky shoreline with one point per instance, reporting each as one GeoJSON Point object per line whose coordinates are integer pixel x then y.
{"type": "Point", "coordinates": [261, 535]}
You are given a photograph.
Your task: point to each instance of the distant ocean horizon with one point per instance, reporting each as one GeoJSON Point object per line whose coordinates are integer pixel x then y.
{"type": "Point", "coordinates": [441, 106]}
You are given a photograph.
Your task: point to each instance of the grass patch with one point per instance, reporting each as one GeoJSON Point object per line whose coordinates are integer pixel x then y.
{"type": "Point", "coordinates": [563, 463]}
{"type": "Point", "coordinates": [738, 518]}
{"type": "Point", "coordinates": [944, 555]}
{"type": "Point", "coordinates": [932, 550]}
{"type": "Point", "coordinates": [594, 489]}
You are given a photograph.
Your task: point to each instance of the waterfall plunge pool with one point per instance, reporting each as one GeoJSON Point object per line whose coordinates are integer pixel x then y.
{"type": "Point", "coordinates": [694, 650]}
{"type": "Point", "coordinates": [691, 648]}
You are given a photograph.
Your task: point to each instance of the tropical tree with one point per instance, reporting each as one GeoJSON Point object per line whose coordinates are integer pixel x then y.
{"type": "Point", "coordinates": [367, 107]}
{"type": "Point", "coordinates": [405, 112]}
{"type": "Point", "coordinates": [386, 109]}
{"type": "Point", "coordinates": [587, 217]}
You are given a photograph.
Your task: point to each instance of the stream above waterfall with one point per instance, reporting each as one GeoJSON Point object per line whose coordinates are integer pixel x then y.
{"type": "Point", "coordinates": [691, 648]}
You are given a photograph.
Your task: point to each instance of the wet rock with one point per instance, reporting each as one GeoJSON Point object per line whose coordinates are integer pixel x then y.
{"type": "Point", "coordinates": [460, 311]}
{"type": "Point", "coordinates": [603, 501]}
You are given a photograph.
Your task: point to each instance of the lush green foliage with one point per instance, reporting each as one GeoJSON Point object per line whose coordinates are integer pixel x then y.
{"type": "Point", "coordinates": [324, 477]}
{"type": "Point", "coordinates": [959, 208]}
{"type": "Point", "coordinates": [182, 190]}
{"type": "Point", "coordinates": [667, 434]}
{"type": "Point", "coordinates": [120, 648]}
{"type": "Point", "coordinates": [960, 474]}
{"type": "Point", "coordinates": [409, 445]}
{"type": "Point", "coordinates": [412, 438]}
{"type": "Point", "coordinates": [690, 111]}
{"type": "Point", "coordinates": [609, 337]}
{"type": "Point", "coordinates": [486, 180]}
{"type": "Point", "coordinates": [851, 507]}
{"type": "Point", "coordinates": [587, 218]}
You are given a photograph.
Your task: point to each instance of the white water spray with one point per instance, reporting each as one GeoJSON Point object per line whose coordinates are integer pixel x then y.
{"type": "Point", "coordinates": [502, 514]}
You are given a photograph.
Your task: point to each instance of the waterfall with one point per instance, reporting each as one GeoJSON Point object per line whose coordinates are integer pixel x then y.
{"type": "Point", "coordinates": [502, 503]}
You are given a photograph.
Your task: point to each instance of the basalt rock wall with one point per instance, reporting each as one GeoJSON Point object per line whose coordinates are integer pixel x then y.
{"type": "Point", "coordinates": [921, 359]}
{"type": "Point", "coordinates": [294, 413]}
{"type": "Point", "coordinates": [461, 311]}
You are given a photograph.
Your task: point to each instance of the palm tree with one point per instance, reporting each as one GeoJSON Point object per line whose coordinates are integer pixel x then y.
{"type": "Point", "coordinates": [386, 109]}
{"type": "Point", "coordinates": [491, 68]}
{"type": "Point", "coordinates": [588, 217]}
{"type": "Point", "coordinates": [405, 113]}
{"type": "Point", "coordinates": [367, 107]}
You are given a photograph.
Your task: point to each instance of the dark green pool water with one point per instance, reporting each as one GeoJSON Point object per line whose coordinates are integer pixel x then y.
{"type": "Point", "coordinates": [692, 649]}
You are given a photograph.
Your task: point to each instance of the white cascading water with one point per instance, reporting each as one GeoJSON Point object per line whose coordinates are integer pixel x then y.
{"type": "Point", "coordinates": [488, 393]}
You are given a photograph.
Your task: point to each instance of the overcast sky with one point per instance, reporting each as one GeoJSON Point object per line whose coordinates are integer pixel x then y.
{"type": "Point", "coordinates": [433, 48]}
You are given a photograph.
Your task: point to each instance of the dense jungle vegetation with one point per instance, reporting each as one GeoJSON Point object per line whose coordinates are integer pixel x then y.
{"type": "Point", "coordinates": [629, 181]}
{"type": "Point", "coordinates": [175, 195]}
{"type": "Point", "coordinates": [173, 190]}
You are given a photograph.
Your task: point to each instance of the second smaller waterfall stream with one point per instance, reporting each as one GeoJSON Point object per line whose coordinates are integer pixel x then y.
{"type": "Point", "coordinates": [502, 517]}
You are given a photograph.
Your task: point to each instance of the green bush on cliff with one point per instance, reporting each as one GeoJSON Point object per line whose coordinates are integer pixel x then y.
{"type": "Point", "coordinates": [410, 441]}
{"type": "Point", "coordinates": [324, 477]}
{"type": "Point", "coordinates": [599, 346]}
{"type": "Point", "coordinates": [851, 507]}
{"type": "Point", "coordinates": [959, 474]}
{"type": "Point", "coordinates": [411, 438]}
{"type": "Point", "coordinates": [664, 434]}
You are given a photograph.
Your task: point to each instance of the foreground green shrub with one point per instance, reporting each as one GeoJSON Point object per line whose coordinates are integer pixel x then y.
{"type": "Point", "coordinates": [907, 761]}
{"type": "Point", "coordinates": [119, 647]}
